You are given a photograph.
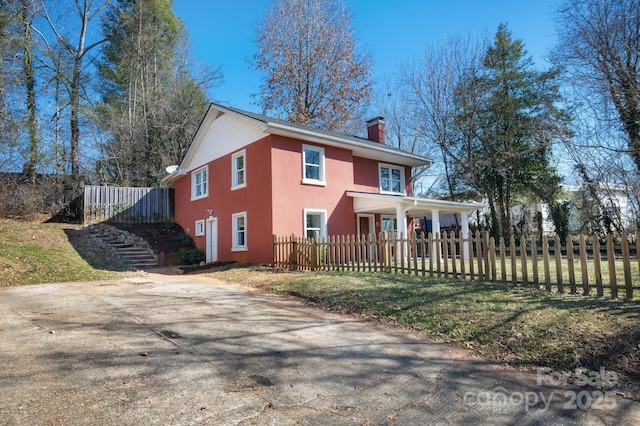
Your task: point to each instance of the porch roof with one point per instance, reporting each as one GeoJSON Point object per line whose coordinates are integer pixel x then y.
{"type": "Point", "coordinates": [364, 202]}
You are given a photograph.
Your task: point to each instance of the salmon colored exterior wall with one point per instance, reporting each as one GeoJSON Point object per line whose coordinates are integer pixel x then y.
{"type": "Point", "coordinates": [255, 199]}
{"type": "Point", "coordinates": [366, 177]}
{"type": "Point", "coordinates": [291, 197]}
{"type": "Point", "coordinates": [275, 197]}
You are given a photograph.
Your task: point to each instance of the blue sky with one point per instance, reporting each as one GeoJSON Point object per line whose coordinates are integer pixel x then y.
{"type": "Point", "coordinates": [392, 31]}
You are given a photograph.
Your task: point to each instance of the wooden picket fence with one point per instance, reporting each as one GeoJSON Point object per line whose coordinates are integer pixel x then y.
{"type": "Point", "coordinates": [581, 265]}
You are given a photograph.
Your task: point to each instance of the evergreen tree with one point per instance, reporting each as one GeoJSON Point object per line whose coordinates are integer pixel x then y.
{"type": "Point", "coordinates": [507, 118]}
{"type": "Point", "coordinates": [152, 103]}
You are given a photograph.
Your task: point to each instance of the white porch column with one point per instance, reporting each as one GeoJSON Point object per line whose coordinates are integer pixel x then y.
{"type": "Point", "coordinates": [435, 228]}
{"type": "Point", "coordinates": [401, 220]}
{"type": "Point", "coordinates": [464, 223]}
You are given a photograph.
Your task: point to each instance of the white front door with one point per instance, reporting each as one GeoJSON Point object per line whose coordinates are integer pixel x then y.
{"type": "Point", "coordinates": [212, 239]}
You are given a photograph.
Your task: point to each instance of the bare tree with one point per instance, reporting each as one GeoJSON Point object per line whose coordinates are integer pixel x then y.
{"type": "Point", "coordinates": [78, 49]}
{"type": "Point", "coordinates": [599, 46]}
{"type": "Point", "coordinates": [314, 73]}
{"type": "Point", "coordinates": [431, 84]}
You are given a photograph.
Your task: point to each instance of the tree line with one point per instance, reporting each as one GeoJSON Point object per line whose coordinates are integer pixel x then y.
{"type": "Point", "coordinates": [97, 90]}
{"type": "Point", "coordinates": [106, 91]}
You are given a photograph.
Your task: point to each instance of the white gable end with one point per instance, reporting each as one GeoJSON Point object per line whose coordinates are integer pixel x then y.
{"type": "Point", "coordinates": [225, 135]}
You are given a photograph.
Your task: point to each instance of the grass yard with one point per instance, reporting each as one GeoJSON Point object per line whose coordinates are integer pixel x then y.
{"type": "Point", "coordinates": [34, 253]}
{"type": "Point", "coordinates": [523, 327]}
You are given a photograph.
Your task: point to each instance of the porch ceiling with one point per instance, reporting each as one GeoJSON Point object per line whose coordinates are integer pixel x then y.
{"type": "Point", "coordinates": [414, 206]}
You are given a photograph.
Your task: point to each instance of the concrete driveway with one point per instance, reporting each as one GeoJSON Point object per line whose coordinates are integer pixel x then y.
{"type": "Point", "coordinates": [191, 350]}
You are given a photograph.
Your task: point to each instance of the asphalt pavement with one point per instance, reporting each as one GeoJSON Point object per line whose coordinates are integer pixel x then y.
{"type": "Point", "coordinates": [191, 350]}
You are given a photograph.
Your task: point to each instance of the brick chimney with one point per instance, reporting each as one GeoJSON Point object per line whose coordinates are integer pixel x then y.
{"type": "Point", "coordinates": [375, 129]}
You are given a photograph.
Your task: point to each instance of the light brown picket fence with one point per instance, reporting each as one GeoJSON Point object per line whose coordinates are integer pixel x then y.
{"type": "Point", "coordinates": [582, 264]}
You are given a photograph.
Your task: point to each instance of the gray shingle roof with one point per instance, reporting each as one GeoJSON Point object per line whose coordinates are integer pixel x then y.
{"type": "Point", "coordinates": [336, 135]}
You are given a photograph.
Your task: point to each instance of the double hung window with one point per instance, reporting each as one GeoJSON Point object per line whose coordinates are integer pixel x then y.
{"type": "Point", "coordinates": [313, 165]}
{"type": "Point", "coordinates": [239, 231]}
{"type": "Point", "coordinates": [199, 183]}
{"type": "Point", "coordinates": [238, 170]}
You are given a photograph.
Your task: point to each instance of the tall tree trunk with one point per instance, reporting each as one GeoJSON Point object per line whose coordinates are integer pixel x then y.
{"type": "Point", "coordinates": [30, 83]}
{"type": "Point", "coordinates": [75, 122]}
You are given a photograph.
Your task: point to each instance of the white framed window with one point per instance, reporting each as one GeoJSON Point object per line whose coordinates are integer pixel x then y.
{"type": "Point", "coordinates": [391, 179]}
{"type": "Point", "coordinates": [389, 224]}
{"type": "Point", "coordinates": [315, 223]}
{"type": "Point", "coordinates": [313, 165]}
{"type": "Point", "coordinates": [239, 231]}
{"type": "Point", "coordinates": [200, 183]}
{"type": "Point", "coordinates": [199, 228]}
{"type": "Point", "coordinates": [238, 170]}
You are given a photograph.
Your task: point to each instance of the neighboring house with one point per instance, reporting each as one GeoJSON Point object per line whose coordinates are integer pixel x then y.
{"type": "Point", "coordinates": [608, 210]}
{"type": "Point", "coordinates": [247, 177]}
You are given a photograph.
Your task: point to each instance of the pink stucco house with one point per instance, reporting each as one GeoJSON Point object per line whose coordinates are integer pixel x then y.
{"type": "Point", "coordinates": [247, 177]}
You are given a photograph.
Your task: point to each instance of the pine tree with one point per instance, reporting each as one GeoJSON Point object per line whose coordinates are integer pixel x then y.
{"type": "Point", "coordinates": [508, 119]}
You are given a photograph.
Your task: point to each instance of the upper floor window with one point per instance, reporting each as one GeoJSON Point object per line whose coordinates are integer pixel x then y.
{"type": "Point", "coordinates": [313, 165]}
{"type": "Point", "coordinates": [238, 170]}
{"type": "Point", "coordinates": [239, 230]}
{"type": "Point", "coordinates": [199, 183]}
{"type": "Point", "coordinates": [391, 179]}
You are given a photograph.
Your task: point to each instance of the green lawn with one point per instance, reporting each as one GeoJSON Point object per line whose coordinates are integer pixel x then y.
{"type": "Point", "coordinates": [35, 253]}
{"type": "Point", "coordinates": [521, 326]}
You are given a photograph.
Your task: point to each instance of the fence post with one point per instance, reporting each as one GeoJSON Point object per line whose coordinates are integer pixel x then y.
{"type": "Point", "coordinates": [464, 254]}
{"type": "Point", "coordinates": [546, 263]}
{"type": "Point", "coordinates": [471, 254]}
{"type": "Point", "coordinates": [275, 251]}
{"type": "Point", "coordinates": [445, 254]}
{"type": "Point", "coordinates": [584, 266]}
{"type": "Point", "coordinates": [485, 244]}
{"type": "Point", "coordinates": [534, 261]}
{"type": "Point", "coordinates": [626, 265]}
{"type": "Point", "coordinates": [293, 255]}
{"type": "Point", "coordinates": [597, 267]}
{"type": "Point", "coordinates": [314, 253]}
{"type": "Point", "coordinates": [385, 238]}
{"type": "Point", "coordinates": [438, 253]}
{"type": "Point", "coordinates": [570, 265]}
{"type": "Point", "coordinates": [479, 255]}
{"type": "Point", "coordinates": [514, 268]}
{"type": "Point", "coordinates": [452, 252]}
{"type": "Point", "coordinates": [523, 261]}
{"type": "Point", "coordinates": [557, 251]}
{"type": "Point", "coordinates": [611, 262]}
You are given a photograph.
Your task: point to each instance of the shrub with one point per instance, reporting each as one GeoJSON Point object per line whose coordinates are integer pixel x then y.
{"type": "Point", "coordinates": [169, 224]}
{"type": "Point", "coordinates": [184, 239]}
{"type": "Point", "coordinates": [191, 256]}
{"type": "Point", "coordinates": [153, 232]}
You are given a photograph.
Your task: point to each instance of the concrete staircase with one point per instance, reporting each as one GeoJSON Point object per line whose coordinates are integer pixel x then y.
{"type": "Point", "coordinates": [132, 249]}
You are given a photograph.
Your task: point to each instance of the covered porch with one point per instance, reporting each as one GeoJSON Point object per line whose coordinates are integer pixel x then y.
{"type": "Point", "coordinates": [374, 207]}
